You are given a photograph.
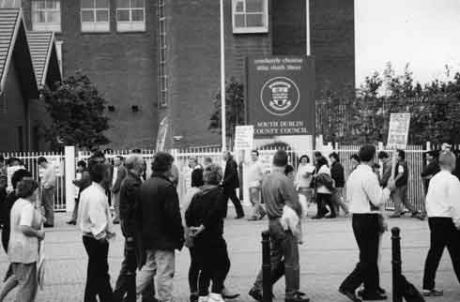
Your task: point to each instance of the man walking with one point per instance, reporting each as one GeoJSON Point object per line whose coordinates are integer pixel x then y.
{"type": "Point", "coordinates": [278, 191]}
{"type": "Point", "coordinates": [96, 226]}
{"type": "Point", "coordinates": [431, 168]}
{"type": "Point", "coordinates": [366, 198]}
{"type": "Point", "coordinates": [118, 174]}
{"type": "Point", "coordinates": [161, 228]}
{"type": "Point", "coordinates": [82, 183]}
{"type": "Point", "coordinates": [255, 175]}
{"type": "Point", "coordinates": [443, 208]}
{"type": "Point", "coordinates": [129, 201]}
{"type": "Point", "coordinates": [48, 183]}
{"type": "Point", "coordinates": [231, 183]}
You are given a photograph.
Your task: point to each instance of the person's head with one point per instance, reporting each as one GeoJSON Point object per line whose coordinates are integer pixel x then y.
{"type": "Point", "coordinates": [383, 156]}
{"type": "Point", "coordinates": [401, 155]}
{"type": "Point", "coordinates": [2, 161]}
{"type": "Point", "coordinates": [81, 166]}
{"type": "Point", "coordinates": [27, 188]}
{"type": "Point", "coordinates": [254, 155]}
{"type": "Point", "coordinates": [98, 157]}
{"type": "Point", "coordinates": [13, 162]}
{"type": "Point", "coordinates": [136, 151]}
{"type": "Point", "coordinates": [355, 161]}
{"type": "Point", "coordinates": [334, 157]}
{"type": "Point", "coordinates": [280, 159]}
{"type": "Point", "coordinates": [367, 154]}
{"type": "Point", "coordinates": [432, 155]}
{"type": "Point", "coordinates": [304, 159]}
{"type": "Point", "coordinates": [98, 172]}
{"type": "Point", "coordinates": [207, 161]}
{"type": "Point", "coordinates": [446, 147]}
{"type": "Point", "coordinates": [192, 162]}
{"type": "Point", "coordinates": [162, 163]}
{"type": "Point", "coordinates": [317, 155]}
{"type": "Point", "coordinates": [289, 171]}
{"type": "Point", "coordinates": [227, 155]}
{"type": "Point", "coordinates": [18, 176]}
{"type": "Point", "coordinates": [322, 161]}
{"type": "Point", "coordinates": [447, 161]}
{"type": "Point", "coordinates": [212, 175]}
{"type": "Point", "coordinates": [135, 164]}
{"type": "Point", "coordinates": [42, 162]}
{"type": "Point", "coordinates": [376, 168]}
{"type": "Point", "coordinates": [118, 160]}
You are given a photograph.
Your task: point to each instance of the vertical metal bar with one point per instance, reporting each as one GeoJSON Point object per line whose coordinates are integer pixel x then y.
{"type": "Point", "coordinates": [222, 77]}
{"type": "Point", "coordinates": [396, 264]}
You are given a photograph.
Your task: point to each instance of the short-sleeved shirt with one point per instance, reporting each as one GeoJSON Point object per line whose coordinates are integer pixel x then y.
{"type": "Point", "coordinates": [23, 249]}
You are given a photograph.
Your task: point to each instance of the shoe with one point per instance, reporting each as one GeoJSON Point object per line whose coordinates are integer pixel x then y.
{"type": "Point", "coordinates": [256, 294]}
{"type": "Point", "coordinates": [349, 294]}
{"type": "Point", "coordinates": [395, 216]}
{"type": "Point", "coordinates": [298, 297]}
{"type": "Point", "coordinates": [331, 216]}
{"type": "Point", "coordinates": [262, 215]}
{"type": "Point", "coordinates": [71, 222]}
{"type": "Point", "coordinates": [253, 218]}
{"type": "Point", "coordinates": [433, 292]}
{"type": "Point", "coordinates": [227, 294]}
{"type": "Point", "coordinates": [202, 299]}
{"type": "Point", "coordinates": [194, 297]}
{"type": "Point", "coordinates": [47, 225]}
{"type": "Point", "coordinates": [374, 296]}
{"type": "Point", "coordinates": [215, 298]}
{"type": "Point", "coordinates": [240, 216]}
{"type": "Point", "coordinates": [380, 290]}
{"type": "Point", "coordinates": [420, 216]}
{"type": "Point", "coordinates": [317, 217]}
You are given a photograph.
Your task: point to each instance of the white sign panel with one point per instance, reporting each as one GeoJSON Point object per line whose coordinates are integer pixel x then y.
{"type": "Point", "coordinates": [244, 137]}
{"type": "Point", "coordinates": [398, 132]}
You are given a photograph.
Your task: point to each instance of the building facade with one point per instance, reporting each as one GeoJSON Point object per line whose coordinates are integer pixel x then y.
{"type": "Point", "coordinates": [157, 62]}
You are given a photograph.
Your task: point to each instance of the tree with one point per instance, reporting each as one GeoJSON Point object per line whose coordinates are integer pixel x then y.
{"type": "Point", "coordinates": [234, 108]}
{"type": "Point", "coordinates": [77, 113]}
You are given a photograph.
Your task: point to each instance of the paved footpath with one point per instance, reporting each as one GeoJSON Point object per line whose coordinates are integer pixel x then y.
{"type": "Point", "coordinates": [327, 256]}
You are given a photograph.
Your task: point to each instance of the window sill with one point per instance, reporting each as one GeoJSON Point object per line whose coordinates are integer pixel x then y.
{"type": "Point", "coordinates": [250, 30]}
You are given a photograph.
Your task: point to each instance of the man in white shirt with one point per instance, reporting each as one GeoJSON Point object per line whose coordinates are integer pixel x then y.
{"type": "Point", "coordinates": [443, 209]}
{"type": "Point", "coordinates": [255, 175]}
{"type": "Point", "coordinates": [48, 183]}
{"type": "Point", "coordinates": [366, 198]}
{"type": "Point", "coordinates": [96, 227]}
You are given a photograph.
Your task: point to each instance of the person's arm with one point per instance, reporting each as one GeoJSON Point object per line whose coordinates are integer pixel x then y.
{"type": "Point", "coordinates": [25, 223]}
{"type": "Point", "coordinates": [216, 213]}
{"type": "Point", "coordinates": [129, 197]}
{"type": "Point", "coordinates": [377, 196]}
{"type": "Point", "coordinates": [453, 199]}
{"type": "Point", "coordinates": [172, 213]}
{"type": "Point", "coordinates": [289, 196]}
{"type": "Point", "coordinates": [98, 218]}
{"type": "Point", "coordinates": [400, 173]}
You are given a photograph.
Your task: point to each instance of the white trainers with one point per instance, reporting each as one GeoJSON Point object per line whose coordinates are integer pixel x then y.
{"type": "Point", "coordinates": [215, 298]}
{"type": "Point", "coordinates": [203, 299]}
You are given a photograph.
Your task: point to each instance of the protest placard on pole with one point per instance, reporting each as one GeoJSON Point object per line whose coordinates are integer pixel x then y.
{"type": "Point", "coordinates": [398, 135]}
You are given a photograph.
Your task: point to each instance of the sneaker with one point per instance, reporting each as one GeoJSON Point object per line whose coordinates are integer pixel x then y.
{"type": "Point", "coordinates": [432, 293]}
{"type": "Point", "coordinates": [256, 294]}
{"type": "Point", "coordinates": [203, 299]}
{"type": "Point", "coordinates": [227, 294]}
{"type": "Point", "coordinates": [262, 215]}
{"type": "Point", "coordinates": [194, 297]}
{"type": "Point", "coordinates": [349, 294]}
{"type": "Point", "coordinates": [297, 298]}
{"type": "Point", "coordinates": [215, 298]}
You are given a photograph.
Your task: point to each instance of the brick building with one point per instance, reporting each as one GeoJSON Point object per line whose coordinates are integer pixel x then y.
{"type": "Point", "coordinates": [157, 61]}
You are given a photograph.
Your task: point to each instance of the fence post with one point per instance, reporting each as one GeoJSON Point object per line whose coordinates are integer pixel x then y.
{"type": "Point", "coordinates": [396, 264]}
{"type": "Point", "coordinates": [69, 168]}
{"type": "Point", "coordinates": [266, 268]}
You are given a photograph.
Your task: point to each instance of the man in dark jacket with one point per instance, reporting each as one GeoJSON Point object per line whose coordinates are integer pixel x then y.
{"type": "Point", "coordinates": [431, 169]}
{"type": "Point", "coordinates": [129, 201]}
{"type": "Point", "coordinates": [338, 175]}
{"type": "Point", "coordinates": [231, 183]}
{"type": "Point", "coordinates": [118, 175]}
{"type": "Point", "coordinates": [161, 228]}
{"type": "Point", "coordinates": [82, 183]}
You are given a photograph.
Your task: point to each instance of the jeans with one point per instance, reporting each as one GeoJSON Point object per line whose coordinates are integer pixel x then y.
{"type": "Point", "coordinates": [399, 197]}
{"type": "Point", "coordinates": [161, 266]}
{"type": "Point", "coordinates": [258, 209]}
{"type": "Point", "coordinates": [126, 283]}
{"type": "Point", "coordinates": [116, 205]}
{"type": "Point", "coordinates": [338, 201]}
{"type": "Point", "coordinates": [284, 254]}
{"type": "Point", "coordinates": [231, 194]}
{"type": "Point", "coordinates": [48, 204]}
{"type": "Point", "coordinates": [443, 234]}
{"type": "Point", "coordinates": [367, 233]}
{"type": "Point", "coordinates": [97, 279]}
{"type": "Point", "coordinates": [25, 275]}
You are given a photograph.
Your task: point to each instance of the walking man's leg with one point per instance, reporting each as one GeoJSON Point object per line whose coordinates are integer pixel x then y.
{"type": "Point", "coordinates": [48, 205]}
{"type": "Point", "coordinates": [165, 261]}
{"type": "Point", "coordinates": [116, 206]}
{"type": "Point", "coordinates": [147, 274]}
{"type": "Point", "coordinates": [126, 283]}
{"type": "Point", "coordinates": [438, 241]}
{"type": "Point", "coordinates": [236, 202]}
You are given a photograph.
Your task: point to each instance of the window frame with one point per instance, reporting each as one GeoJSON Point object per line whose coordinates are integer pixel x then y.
{"type": "Point", "coordinates": [131, 26]}
{"type": "Point", "coordinates": [46, 26]}
{"type": "Point", "coordinates": [250, 29]}
{"type": "Point", "coordinates": [95, 26]}
{"type": "Point", "coordinates": [10, 3]}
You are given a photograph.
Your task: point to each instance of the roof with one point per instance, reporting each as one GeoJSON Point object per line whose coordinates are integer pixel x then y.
{"type": "Point", "coordinates": [9, 19]}
{"type": "Point", "coordinates": [41, 46]}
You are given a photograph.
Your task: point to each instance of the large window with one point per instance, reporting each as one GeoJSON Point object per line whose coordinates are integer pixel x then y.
{"type": "Point", "coordinates": [10, 3]}
{"type": "Point", "coordinates": [130, 15]}
{"type": "Point", "coordinates": [95, 15]}
{"type": "Point", "coordinates": [250, 16]}
{"type": "Point", "coordinates": [46, 15]}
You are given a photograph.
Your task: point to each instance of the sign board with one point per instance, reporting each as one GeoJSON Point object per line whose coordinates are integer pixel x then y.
{"type": "Point", "coordinates": [244, 137]}
{"type": "Point", "coordinates": [280, 98]}
{"type": "Point", "coordinates": [398, 132]}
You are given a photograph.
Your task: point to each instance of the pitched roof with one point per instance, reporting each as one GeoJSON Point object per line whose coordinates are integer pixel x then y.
{"type": "Point", "coordinates": [9, 19]}
{"type": "Point", "coordinates": [41, 46]}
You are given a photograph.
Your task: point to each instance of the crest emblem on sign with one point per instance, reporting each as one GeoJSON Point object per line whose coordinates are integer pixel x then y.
{"type": "Point", "coordinates": [280, 96]}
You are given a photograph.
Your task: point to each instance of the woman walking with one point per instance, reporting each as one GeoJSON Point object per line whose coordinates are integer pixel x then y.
{"type": "Point", "coordinates": [304, 177]}
{"type": "Point", "coordinates": [325, 187]}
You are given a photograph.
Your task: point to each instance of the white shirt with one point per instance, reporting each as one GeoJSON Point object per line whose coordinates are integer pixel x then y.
{"type": "Point", "coordinates": [22, 248]}
{"type": "Point", "coordinates": [94, 213]}
{"type": "Point", "coordinates": [255, 173]}
{"type": "Point", "coordinates": [114, 175]}
{"type": "Point", "coordinates": [49, 177]}
{"type": "Point", "coordinates": [363, 188]}
{"type": "Point", "coordinates": [301, 178]}
{"type": "Point", "coordinates": [324, 170]}
{"type": "Point", "coordinates": [443, 197]}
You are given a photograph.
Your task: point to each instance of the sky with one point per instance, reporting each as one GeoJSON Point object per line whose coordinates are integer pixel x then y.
{"type": "Point", "coordinates": [423, 33]}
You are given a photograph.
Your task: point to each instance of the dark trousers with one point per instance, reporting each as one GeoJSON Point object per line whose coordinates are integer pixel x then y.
{"type": "Point", "coordinates": [443, 234]}
{"type": "Point", "coordinates": [367, 232]}
{"type": "Point", "coordinates": [48, 204]}
{"type": "Point", "coordinates": [284, 258]}
{"type": "Point", "coordinates": [214, 265]}
{"type": "Point", "coordinates": [97, 279]}
{"type": "Point", "coordinates": [193, 272]}
{"type": "Point", "coordinates": [126, 282]}
{"type": "Point", "coordinates": [231, 194]}
{"type": "Point", "coordinates": [324, 200]}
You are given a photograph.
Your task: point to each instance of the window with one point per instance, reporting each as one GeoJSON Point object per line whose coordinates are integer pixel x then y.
{"type": "Point", "coordinates": [10, 3]}
{"type": "Point", "coordinates": [46, 15]}
{"type": "Point", "coordinates": [250, 16]}
{"type": "Point", "coordinates": [130, 15]}
{"type": "Point", "coordinates": [95, 15]}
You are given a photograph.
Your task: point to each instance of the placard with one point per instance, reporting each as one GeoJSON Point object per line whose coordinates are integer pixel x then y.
{"type": "Point", "coordinates": [398, 131]}
{"type": "Point", "coordinates": [244, 137]}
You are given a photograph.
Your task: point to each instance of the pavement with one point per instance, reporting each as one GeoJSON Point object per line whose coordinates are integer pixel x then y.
{"type": "Point", "coordinates": [327, 256]}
